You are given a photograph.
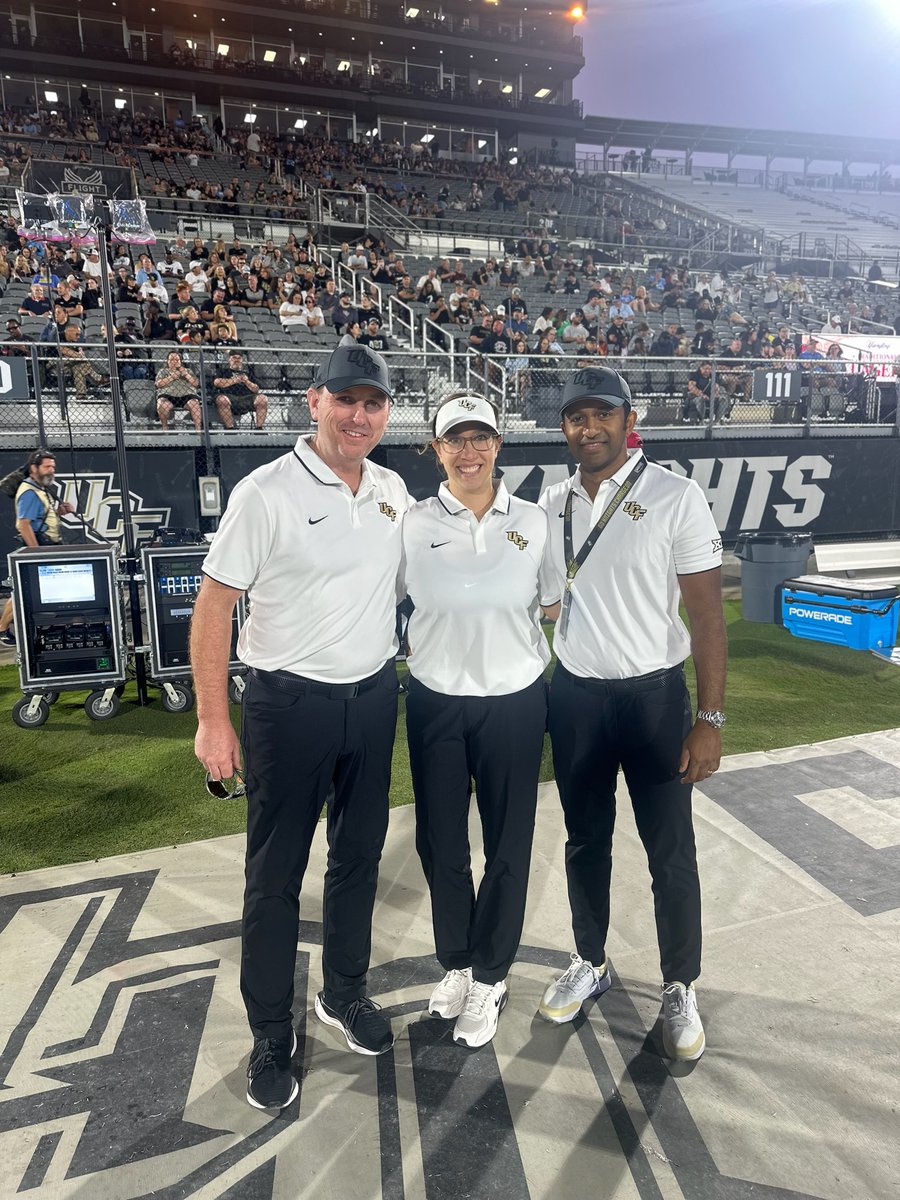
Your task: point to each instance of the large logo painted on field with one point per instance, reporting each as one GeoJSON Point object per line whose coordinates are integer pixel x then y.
{"type": "Point", "coordinates": [112, 1099]}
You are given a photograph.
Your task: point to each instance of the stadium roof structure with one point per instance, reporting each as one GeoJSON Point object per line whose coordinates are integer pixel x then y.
{"type": "Point", "coordinates": [732, 141]}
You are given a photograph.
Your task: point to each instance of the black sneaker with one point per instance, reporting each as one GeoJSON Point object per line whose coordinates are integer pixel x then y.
{"type": "Point", "coordinates": [270, 1082]}
{"type": "Point", "coordinates": [7, 638]}
{"type": "Point", "coordinates": [366, 1030]}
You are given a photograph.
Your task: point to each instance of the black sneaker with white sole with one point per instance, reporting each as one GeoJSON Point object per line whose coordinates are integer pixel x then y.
{"type": "Point", "coordinates": [270, 1083]}
{"type": "Point", "coordinates": [360, 1021]}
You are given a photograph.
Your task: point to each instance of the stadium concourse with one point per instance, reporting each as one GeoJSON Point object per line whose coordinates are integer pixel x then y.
{"type": "Point", "coordinates": [124, 1041]}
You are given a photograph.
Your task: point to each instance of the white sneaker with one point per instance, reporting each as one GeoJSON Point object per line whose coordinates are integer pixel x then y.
{"type": "Point", "coordinates": [449, 997]}
{"type": "Point", "coordinates": [580, 981]}
{"type": "Point", "coordinates": [477, 1023]}
{"type": "Point", "coordinates": [683, 1036]}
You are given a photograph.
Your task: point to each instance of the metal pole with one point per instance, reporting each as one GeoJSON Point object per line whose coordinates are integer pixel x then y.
{"type": "Point", "coordinates": [38, 394]}
{"type": "Point", "coordinates": [131, 559]}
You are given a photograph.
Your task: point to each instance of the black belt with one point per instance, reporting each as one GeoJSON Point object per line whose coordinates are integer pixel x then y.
{"type": "Point", "coordinates": [299, 685]}
{"type": "Point", "coordinates": [637, 683]}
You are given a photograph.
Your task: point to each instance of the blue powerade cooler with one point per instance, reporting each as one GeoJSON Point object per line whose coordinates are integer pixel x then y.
{"type": "Point", "coordinates": [843, 612]}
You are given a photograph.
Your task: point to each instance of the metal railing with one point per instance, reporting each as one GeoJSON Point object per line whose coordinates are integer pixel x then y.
{"type": "Point", "coordinates": [70, 398]}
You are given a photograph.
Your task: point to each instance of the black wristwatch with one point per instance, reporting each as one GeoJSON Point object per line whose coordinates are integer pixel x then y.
{"type": "Point", "coordinates": [712, 716]}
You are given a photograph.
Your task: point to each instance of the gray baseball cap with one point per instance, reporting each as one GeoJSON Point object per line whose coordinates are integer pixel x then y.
{"type": "Point", "coordinates": [353, 366]}
{"type": "Point", "coordinates": [595, 383]}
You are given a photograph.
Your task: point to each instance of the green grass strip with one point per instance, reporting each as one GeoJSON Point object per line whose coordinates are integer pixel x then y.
{"type": "Point", "coordinates": [78, 789]}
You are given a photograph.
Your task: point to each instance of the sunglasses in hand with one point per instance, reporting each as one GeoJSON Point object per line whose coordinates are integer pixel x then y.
{"type": "Point", "coordinates": [226, 789]}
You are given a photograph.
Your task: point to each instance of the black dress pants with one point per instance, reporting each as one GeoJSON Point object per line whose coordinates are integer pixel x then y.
{"type": "Point", "coordinates": [638, 724]}
{"type": "Point", "coordinates": [304, 744]}
{"type": "Point", "coordinates": [495, 741]}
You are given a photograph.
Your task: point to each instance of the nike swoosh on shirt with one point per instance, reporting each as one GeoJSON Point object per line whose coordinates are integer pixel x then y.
{"type": "Point", "coordinates": [317, 520]}
{"type": "Point", "coordinates": [435, 545]}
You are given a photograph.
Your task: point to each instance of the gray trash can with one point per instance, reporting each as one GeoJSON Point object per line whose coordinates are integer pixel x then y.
{"type": "Point", "coordinates": [767, 559]}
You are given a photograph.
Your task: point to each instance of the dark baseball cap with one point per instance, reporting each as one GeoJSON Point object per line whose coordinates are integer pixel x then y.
{"type": "Point", "coordinates": [595, 383]}
{"type": "Point", "coordinates": [353, 366]}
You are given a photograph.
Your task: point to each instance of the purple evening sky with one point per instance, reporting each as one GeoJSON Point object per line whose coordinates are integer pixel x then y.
{"type": "Point", "coordinates": [822, 66]}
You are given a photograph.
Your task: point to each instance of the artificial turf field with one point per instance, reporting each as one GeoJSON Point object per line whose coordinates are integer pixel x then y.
{"type": "Point", "coordinates": [79, 789]}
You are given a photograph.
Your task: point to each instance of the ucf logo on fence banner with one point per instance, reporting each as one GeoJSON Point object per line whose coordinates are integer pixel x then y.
{"type": "Point", "coordinates": [14, 384]}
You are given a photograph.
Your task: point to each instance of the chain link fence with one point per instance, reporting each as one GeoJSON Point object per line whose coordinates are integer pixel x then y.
{"type": "Point", "coordinates": [207, 391]}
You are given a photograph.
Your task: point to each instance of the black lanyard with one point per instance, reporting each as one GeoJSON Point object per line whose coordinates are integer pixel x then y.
{"type": "Point", "coordinates": [574, 562]}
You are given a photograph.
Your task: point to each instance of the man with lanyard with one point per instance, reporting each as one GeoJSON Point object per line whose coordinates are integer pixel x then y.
{"type": "Point", "coordinates": [37, 518]}
{"type": "Point", "coordinates": [618, 695]}
{"type": "Point", "coordinates": [314, 539]}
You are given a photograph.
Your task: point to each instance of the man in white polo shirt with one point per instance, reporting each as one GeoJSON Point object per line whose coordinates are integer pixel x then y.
{"type": "Point", "coordinates": [314, 539]}
{"type": "Point", "coordinates": [618, 695]}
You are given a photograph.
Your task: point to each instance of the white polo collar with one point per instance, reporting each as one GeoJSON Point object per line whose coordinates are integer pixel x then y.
{"type": "Point", "coordinates": [320, 470]}
{"type": "Point", "coordinates": [455, 507]}
{"type": "Point", "coordinates": [616, 479]}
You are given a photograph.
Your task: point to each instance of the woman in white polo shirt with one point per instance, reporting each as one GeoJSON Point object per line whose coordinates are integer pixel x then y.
{"type": "Point", "coordinates": [476, 709]}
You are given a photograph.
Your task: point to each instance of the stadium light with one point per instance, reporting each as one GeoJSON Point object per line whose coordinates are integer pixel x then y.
{"type": "Point", "coordinates": [426, 138]}
{"type": "Point", "coordinates": [482, 142]}
{"type": "Point", "coordinates": [120, 103]}
{"type": "Point", "coordinates": [222, 48]}
{"type": "Point", "coordinates": [52, 97]}
{"type": "Point", "coordinates": [542, 93]}
{"type": "Point", "coordinates": [249, 118]}
{"type": "Point", "coordinates": [301, 124]}
{"type": "Point", "coordinates": [412, 12]}
{"type": "Point", "coordinates": [577, 12]}
{"type": "Point", "coordinates": [513, 161]}
{"type": "Point", "coordinates": [506, 89]}
{"type": "Point", "coordinates": [344, 64]}
{"type": "Point", "coordinates": [270, 56]}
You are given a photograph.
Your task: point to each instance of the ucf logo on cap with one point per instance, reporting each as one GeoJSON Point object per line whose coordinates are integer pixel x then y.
{"type": "Point", "coordinates": [516, 538]}
{"type": "Point", "coordinates": [364, 362]}
{"type": "Point", "coordinates": [466, 403]}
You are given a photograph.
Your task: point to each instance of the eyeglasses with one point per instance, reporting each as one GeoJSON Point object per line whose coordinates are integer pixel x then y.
{"type": "Point", "coordinates": [482, 442]}
{"type": "Point", "coordinates": [219, 789]}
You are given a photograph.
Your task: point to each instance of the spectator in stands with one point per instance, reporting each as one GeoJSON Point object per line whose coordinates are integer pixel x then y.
{"type": "Point", "coordinates": [545, 383]}
{"type": "Point", "coordinates": [544, 322]}
{"type": "Point", "coordinates": [351, 332]}
{"type": "Point", "coordinates": [782, 339]}
{"type": "Point", "coordinates": [197, 279]}
{"type": "Point", "coordinates": [576, 331]}
{"type": "Point", "coordinates": [131, 364]}
{"type": "Point", "coordinates": [77, 365]}
{"type": "Point", "coordinates": [91, 266]}
{"type": "Point", "coordinates": [358, 260]}
{"type": "Point", "coordinates": [735, 381]}
{"type": "Point", "coordinates": [35, 303]}
{"type": "Point", "coordinates": [251, 295]}
{"type": "Point", "coordinates": [373, 337]}
{"type": "Point", "coordinates": [290, 313]}
{"type": "Point", "coordinates": [181, 298]}
{"type": "Point", "coordinates": [666, 341]}
{"type": "Point", "coordinates": [189, 328]}
{"type": "Point", "coordinates": [701, 394]}
{"type": "Point", "coordinates": [239, 393]}
{"type": "Point", "coordinates": [617, 336]}
{"type": "Point", "coordinates": [431, 283]}
{"type": "Point", "coordinates": [177, 387]}
{"type": "Point", "coordinates": [642, 303]}
{"type": "Point", "coordinates": [16, 342]}
{"type": "Point", "coordinates": [144, 269]}
{"type": "Point", "coordinates": [67, 299]}
{"type": "Point", "coordinates": [703, 342]}
{"type": "Point", "coordinates": [169, 267]}
{"type": "Point", "coordinates": [313, 316]}
{"type": "Point", "coordinates": [517, 324]}
{"type": "Point", "coordinates": [479, 334]}
{"type": "Point", "coordinates": [158, 326]}
{"type": "Point", "coordinates": [343, 313]}
{"type": "Point", "coordinates": [826, 396]}
{"type": "Point", "coordinates": [618, 308]}
{"type": "Point", "coordinates": [772, 293]}
{"type": "Point", "coordinates": [153, 289]}
{"type": "Point", "coordinates": [832, 327]}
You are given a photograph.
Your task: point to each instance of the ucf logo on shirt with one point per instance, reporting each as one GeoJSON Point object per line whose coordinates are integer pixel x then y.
{"type": "Point", "coordinates": [634, 510]}
{"type": "Point", "coordinates": [390, 513]}
{"type": "Point", "coordinates": [516, 538]}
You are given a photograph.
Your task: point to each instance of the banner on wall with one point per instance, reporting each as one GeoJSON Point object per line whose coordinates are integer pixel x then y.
{"type": "Point", "coordinates": [833, 487]}
{"type": "Point", "coordinates": [81, 179]}
{"type": "Point", "coordinates": [163, 485]}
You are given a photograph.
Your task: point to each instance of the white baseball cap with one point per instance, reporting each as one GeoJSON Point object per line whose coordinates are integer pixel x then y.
{"type": "Point", "coordinates": [462, 409]}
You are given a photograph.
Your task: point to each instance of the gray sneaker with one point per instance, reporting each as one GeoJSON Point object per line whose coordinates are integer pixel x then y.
{"type": "Point", "coordinates": [580, 981]}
